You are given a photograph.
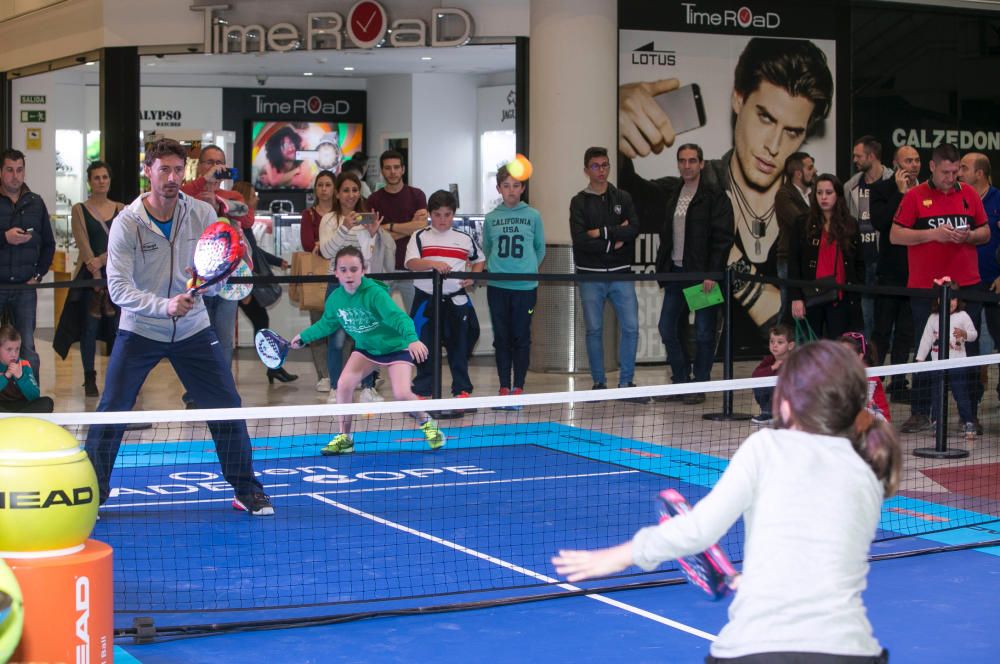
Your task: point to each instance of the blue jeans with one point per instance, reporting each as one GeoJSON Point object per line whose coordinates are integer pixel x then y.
{"type": "Point", "coordinates": [222, 314]}
{"type": "Point", "coordinates": [764, 397]}
{"type": "Point", "coordinates": [674, 333]}
{"type": "Point", "coordinates": [406, 290]}
{"type": "Point", "coordinates": [960, 381]}
{"type": "Point", "coordinates": [594, 294]}
{"type": "Point", "coordinates": [200, 365]}
{"type": "Point", "coordinates": [22, 306]}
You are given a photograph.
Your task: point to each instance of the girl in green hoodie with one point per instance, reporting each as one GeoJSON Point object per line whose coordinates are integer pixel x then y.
{"type": "Point", "coordinates": [383, 336]}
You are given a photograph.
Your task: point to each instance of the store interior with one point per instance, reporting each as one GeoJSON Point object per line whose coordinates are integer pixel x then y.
{"type": "Point", "coordinates": [451, 111]}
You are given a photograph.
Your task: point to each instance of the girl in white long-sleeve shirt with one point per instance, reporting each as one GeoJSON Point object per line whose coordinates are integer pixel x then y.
{"type": "Point", "coordinates": [959, 380]}
{"type": "Point", "coordinates": [810, 494]}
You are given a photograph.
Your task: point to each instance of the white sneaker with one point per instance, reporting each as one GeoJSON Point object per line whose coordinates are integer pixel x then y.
{"type": "Point", "coordinates": [323, 385]}
{"type": "Point", "coordinates": [332, 398]}
{"type": "Point", "coordinates": [369, 395]}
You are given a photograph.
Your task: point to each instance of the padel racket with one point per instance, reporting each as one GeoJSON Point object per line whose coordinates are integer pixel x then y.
{"type": "Point", "coordinates": [710, 570]}
{"type": "Point", "coordinates": [217, 254]}
{"type": "Point", "coordinates": [272, 348]}
{"type": "Point", "coordinates": [231, 291]}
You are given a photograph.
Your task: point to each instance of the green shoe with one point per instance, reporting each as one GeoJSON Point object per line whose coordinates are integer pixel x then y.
{"type": "Point", "coordinates": [435, 437]}
{"type": "Point", "coordinates": [341, 444]}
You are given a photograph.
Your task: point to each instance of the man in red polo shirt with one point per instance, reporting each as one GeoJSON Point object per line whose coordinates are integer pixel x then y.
{"type": "Point", "coordinates": [940, 222]}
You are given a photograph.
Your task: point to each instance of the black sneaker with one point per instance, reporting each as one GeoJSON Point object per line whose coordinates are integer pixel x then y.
{"type": "Point", "coordinates": [693, 398]}
{"type": "Point", "coordinates": [599, 386]}
{"type": "Point", "coordinates": [639, 400]}
{"type": "Point", "coordinates": [762, 420]}
{"type": "Point", "coordinates": [256, 503]}
{"type": "Point", "coordinates": [916, 424]}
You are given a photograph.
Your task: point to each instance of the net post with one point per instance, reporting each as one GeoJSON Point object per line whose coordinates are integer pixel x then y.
{"type": "Point", "coordinates": [727, 414]}
{"type": "Point", "coordinates": [436, 295]}
{"type": "Point", "coordinates": [940, 405]}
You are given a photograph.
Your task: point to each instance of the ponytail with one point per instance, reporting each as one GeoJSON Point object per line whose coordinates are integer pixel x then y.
{"type": "Point", "coordinates": [823, 383]}
{"type": "Point", "coordinates": [876, 442]}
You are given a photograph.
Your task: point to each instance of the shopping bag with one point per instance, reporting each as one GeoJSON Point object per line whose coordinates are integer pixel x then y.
{"type": "Point", "coordinates": [309, 296]}
{"type": "Point", "coordinates": [803, 332]}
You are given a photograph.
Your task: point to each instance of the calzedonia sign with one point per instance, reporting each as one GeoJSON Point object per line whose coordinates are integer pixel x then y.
{"type": "Point", "coordinates": [365, 25]}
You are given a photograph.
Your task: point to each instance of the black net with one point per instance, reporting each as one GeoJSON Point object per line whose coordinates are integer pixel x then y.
{"type": "Point", "coordinates": [397, 524]}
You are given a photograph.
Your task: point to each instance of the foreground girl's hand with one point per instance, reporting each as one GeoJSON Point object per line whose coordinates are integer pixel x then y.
{"type": "Point", "coordinates": [296, 342]}
{"type": "Point", "coordinates": [418, 351]}
{"type": "Point", "coordinates": [580, 565]}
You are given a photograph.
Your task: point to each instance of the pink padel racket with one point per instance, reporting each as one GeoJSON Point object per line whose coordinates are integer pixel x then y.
{"type": "Point", "coordinates": [710, 570]}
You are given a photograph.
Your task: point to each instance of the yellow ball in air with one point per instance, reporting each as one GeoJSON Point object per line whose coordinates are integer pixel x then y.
{"type": "Point", "coordinates": [519, 168]}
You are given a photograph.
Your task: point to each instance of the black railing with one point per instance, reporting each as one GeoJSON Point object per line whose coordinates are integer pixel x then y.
{"type": "Point", "coordinates": [726, 280]}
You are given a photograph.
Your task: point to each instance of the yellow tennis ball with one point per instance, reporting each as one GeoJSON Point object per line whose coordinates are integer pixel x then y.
{"type": "Point", "coordinates": [48, 489]}
{"type": "Point", "coordinates": [11, 626]}
{"type": "Point", "coordinates": [519, 168]}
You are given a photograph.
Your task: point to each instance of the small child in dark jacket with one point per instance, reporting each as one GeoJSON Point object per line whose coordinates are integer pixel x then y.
{"type": "Point", "coordinates": [19, 391]}
{"type": "Point", "coordinates": [780, 343]}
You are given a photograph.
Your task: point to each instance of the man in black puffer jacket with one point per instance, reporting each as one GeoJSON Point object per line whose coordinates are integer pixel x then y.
{"type": "Point", "coordinates": [603, 225]}
{"type": "Point", "coordinates": [696, 236]}
{"type": "Point", "coordinates": [26, 249]}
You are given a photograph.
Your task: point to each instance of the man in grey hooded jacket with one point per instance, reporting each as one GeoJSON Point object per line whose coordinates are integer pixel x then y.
{"type": "Point", "coordinates": [150, 251]}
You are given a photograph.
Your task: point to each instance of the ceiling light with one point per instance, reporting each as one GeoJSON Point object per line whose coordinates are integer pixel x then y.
{"type": "Point", "coordinates": [348, 68]}
{"type": "Point", "coordinates": [426, 57]}
{"type": "Point", "coordinates": [90, 64]}
{"type": "Point", "coordinates": [307, 73]}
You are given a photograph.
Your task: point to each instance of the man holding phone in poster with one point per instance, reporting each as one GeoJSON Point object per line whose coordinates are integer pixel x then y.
{"type": "Point", "coordinates": [782, 90]}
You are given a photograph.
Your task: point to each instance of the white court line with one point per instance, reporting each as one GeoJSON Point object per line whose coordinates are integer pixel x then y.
{"type": "Point", "coordinates": [436, 485]}
{"type": "Point", "coordinates": [517, 568]}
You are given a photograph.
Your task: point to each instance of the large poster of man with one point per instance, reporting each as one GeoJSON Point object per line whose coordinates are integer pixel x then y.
{"type": "Point", "coordinates": [750, 85]}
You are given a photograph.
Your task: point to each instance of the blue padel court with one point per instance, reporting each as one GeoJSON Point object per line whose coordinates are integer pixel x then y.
{"type": "Point", "coordinates": [395, 527]}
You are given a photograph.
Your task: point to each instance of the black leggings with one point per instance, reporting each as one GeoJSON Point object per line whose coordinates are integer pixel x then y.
{"type": "Point", "coordinates": [800, 658]}
{"type": "Point", "coordinates": [257, 315]}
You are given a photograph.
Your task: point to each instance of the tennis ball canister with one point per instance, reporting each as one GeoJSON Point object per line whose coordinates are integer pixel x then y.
{"type": "Point", "coordinates": [48, 490]}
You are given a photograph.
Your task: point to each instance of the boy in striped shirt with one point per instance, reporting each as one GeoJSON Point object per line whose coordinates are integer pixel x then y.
{"type": "Point", "coordinates": [442, 248]}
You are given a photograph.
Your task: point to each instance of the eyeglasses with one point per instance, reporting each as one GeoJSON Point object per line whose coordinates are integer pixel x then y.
{"type": "Point", "coordinates": [599, 167]}
{"type": "Point", "coordinates": [860, 338]}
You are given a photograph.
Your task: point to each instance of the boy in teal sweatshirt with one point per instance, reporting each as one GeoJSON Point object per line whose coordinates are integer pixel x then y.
{"type": "Point", "coordinates": [513, 242]}
{"type": "Point", "coordinates": [384, 336]}
{"type": "Point", "coordinates": [19, 391]}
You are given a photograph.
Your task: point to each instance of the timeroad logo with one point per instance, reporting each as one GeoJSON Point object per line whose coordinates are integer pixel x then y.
{"type": "Point", "coordinates": [744, 17]}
